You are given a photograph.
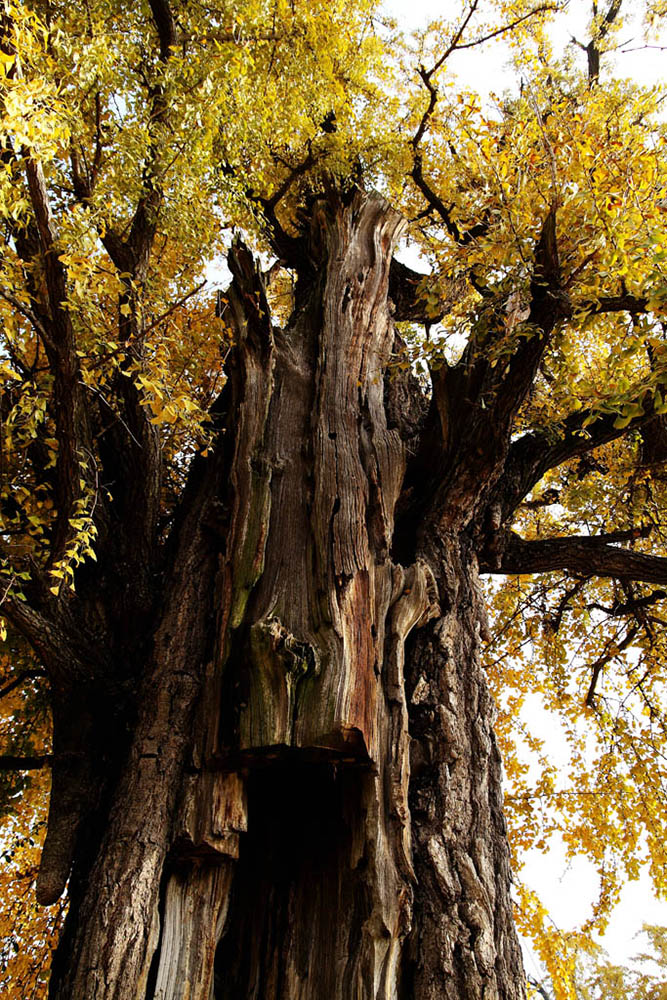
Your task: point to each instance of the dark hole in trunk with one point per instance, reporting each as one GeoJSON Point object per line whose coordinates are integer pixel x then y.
{"type": "Point", "coordinates": [299, 899]}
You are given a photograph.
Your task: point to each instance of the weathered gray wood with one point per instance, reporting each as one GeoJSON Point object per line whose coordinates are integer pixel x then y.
{"type": "Point", "coordinates": [195, 908]}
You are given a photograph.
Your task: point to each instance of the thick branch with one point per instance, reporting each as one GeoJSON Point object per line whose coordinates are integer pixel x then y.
{"type": "Point", "coordinates": [133, 254]}
{"type": "Point", "coordinates": [475, 401]}
{"type": "Point", "coordinates": [654, 442]}
{"type": "Point", "coordinates": [593, 49]}
{"type": "Point", "coordinates": [35, 762]}
{"type": "Point", "coordinates": [166, 27]}
{"type": "Point", "coordinates": [548, 301]}
{"type": "Point", "coordinates": [289, 248]}
{"type": "Point", "coordinates": [409, 305]}
{"type": "Point", "coordinates": [9, 762]}
{"type": "Point", "coordinates": [52, 643]}
{"type": "Point", "coordinates": [580, 554]}
{"type": "Point", "coordinates": [505, 386]}
{"type": "Point", "coordinates": [40, 203]}
{"type": "Point", "coordinates": [130, 445]}
{"type": "Point", "coordinates": [534, 454]}
{"type": "Point", "coordinates": [617, 303]}
{"type": "Point", "coordinates": [72, 425]}
{"type": "Point", "coordinates": [51, 318]}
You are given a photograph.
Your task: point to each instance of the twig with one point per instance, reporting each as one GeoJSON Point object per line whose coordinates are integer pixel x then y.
{"type": "Point", "coordinates": [173, 307]}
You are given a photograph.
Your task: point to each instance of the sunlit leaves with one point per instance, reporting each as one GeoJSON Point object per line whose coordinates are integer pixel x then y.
{"type": "Point", "coordinates": [27, 932]}
{"type": "Point", "coordinates": [595, 153]}
{"type": "Point", "coordinates": [590, 973]}
{"type": "Point", "coordinates": [589, 656]}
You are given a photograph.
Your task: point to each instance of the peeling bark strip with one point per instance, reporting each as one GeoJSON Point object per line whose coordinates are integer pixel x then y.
{"type": "Point", "coordinates": [268, 837]}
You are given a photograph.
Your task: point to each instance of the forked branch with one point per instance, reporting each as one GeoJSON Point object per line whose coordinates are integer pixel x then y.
{"type": "Point", "coordinates": [532, 455]}
{"type": "Point", "coordinates": [611, 651]}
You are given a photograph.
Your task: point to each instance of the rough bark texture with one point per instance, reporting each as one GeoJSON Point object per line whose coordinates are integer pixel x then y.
{"type": "Point", "coordinates": [302, 812]}
{"type": "Point", "coordinates": [463, 944]}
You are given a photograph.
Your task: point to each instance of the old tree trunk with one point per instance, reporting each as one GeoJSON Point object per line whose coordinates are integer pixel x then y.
{"type": "Point", "coordinates": [301, 797]}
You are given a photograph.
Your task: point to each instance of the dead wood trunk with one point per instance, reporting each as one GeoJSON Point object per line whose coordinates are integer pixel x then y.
{"type": "Point", "coordinates": [305, 814]}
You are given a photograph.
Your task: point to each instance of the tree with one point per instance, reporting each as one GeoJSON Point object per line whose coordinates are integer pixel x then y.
{"type": "Point", "coordinates": [243, 533]}
{"type": "Point", "coordinates": [596, 976]}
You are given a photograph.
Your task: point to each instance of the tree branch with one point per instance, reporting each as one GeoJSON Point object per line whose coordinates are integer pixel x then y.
{"type": "Point", "coordinates": [57, 334]}
{"type": "Point", "coordinates": [409, 304]}
{"type": "Point", "coordinates": [166, 26]}
{"type": "Point", "coordinates": [133, 253]}
{"type": "Point", "coordinates": [592, 49]}
{"type": "Point", "coordinates": [532, 455]}
{"type": "Point", "coordinates": [10, 762]}
{"type": "Point", "coordinates": [135, 468]}
{"type": "Point", "coordinates": [536, 984]}
{"type": "Point", "coordinates": [510, 26]}
{"type": "Point", "coordinates": [621, 608]}
{"type": "Point", "coordinates": [476, 400]}
{"type": "Point", "coordinates": [172, 308]}
{"type": "Point", "coordinates": [612, 649]}
{"type": "Point", "coordinates": [555, 620]}
{"type": "Point", "coordinates": [617, 303]}
{"type": "Point", "coordinates": [417, 172]}
{"type": "Point", "coordinates": [25, 675]}
{"type": "Point", "coordinates": [427, 75]}
{"type": "Point", "coordinates": [289, 248]}
{"type": "Point", "coordinates": [457, 45]}
{"type": "Point", "coordinates": [580, 554]}
{"type": "Point", "coordinates": [28, 313]}
{"type": "Point", "coordinates": [504, 387]}
{"type": "Point", "coordinates": [437, 204]}
{"type": "Point", "coordinates": [295, 172]}
{"type": "Point", "coordinates": [51, 318]}
{"type": "Point", "coordinates": [52, 643]}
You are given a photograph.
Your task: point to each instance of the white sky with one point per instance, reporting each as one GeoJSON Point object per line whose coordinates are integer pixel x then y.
{"type": "Point", "coordinates": [566, 888]}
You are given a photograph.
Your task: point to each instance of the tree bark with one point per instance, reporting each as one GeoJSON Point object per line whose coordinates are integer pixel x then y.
{"type": "Point", "coordinates": [463, 944]}
{"type": "Point", "coordinates": [310, 806]}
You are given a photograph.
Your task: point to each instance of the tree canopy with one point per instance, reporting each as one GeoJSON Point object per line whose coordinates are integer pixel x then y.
{"type": "Point", "coordinates": [596, 976]}
{"type": "Point", "coordinates": [137, 141]}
